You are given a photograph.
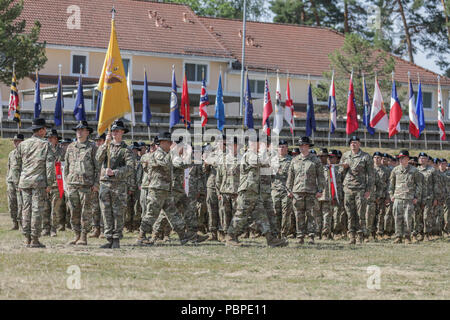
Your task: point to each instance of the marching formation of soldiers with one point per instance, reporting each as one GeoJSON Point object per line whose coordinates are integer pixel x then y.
{"type": "Point", "coordinates": [99, 188]}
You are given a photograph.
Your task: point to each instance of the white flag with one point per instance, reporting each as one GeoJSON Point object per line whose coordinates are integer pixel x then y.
{"type": "Point", "coordinates": [130, 116]}
{"type": "Point", "coordinates": [378, 115]}
{"type": "Point", "coordinates": [279, 111]}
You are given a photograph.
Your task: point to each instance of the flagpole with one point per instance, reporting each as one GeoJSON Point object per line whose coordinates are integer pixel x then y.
{"type": "Point", "coordinates": [329, 116]}
{"type": "Point", "coordinates": [293, 121]}
{"type": "Point", "coordinates": [62, 98]}
{"type": "Point", "coordinates": [424, 129]}
{"type": "Point", "coordinates": [14, 73]}
{"type": "Point", "coordinates": [379, 139]}
{"type": "Point", "coordinates": [409, 93]}
{"type": "Point", "coordinates": [364, 113]}
{"type": "Point", "coordinates": [439, 93]}
{"type": "Point", "coordinates": [395, 137]}
{"type": "Point", "coordinates": [309, 84]}
{"type": "Point", "coordinates": [244, 106]}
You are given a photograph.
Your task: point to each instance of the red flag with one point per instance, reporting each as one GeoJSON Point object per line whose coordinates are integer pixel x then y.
{"type": "Point", "coordinates": [59, 179]}
{"type": "Point", "coordinates": [203, 103]}
{"type": "Point", "coordinates": [395, 113]}
{"type": "Point", "coordinates": [352, 118]}
{"type": "Point", "coordinates": [289, 108]}
{"type": "Point", "coordinates": [267, 109]}
{"type": "Point", "coordinates": [185, 112]}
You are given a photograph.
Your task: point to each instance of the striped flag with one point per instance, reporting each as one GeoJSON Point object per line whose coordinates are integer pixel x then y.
{"type": "Point", "coordinates": [267, 109]}
{"type": "Point", "coordinates": [289, 108]}
{"type": "Point", "coordinates": [395, 114]}
{"type": "Point", "coordinates": [413, 119]}
{"type": "Point", "coordinates": [334, 193]}
{"type": "Point", "coordinates": [440, 108]}
{"type": "Point", "coordinates": [332, 107]}
{"type": "Point", "coordinates": [378, 115]}
{"type": "Point", "coordinates": [352, 118]}
{"type": "Point", "coordinates": [279, 113]}
{"type": "Point", "coordinates": [14, 109]}
{"type": "Point", "coordinates": [204, 101]}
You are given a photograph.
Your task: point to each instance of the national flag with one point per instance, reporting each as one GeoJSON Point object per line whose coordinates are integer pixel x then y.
{"type": "Point", "coordinates": [395, 114]}
{"type": "Point", "coordinates": [59, 178]}
{"type": "Point", "coordinates": [413, 120]}
{"type": "Point", "coordinates": [248, 118]}
{"type": "Point", "coordinates": [289, 108]}
{"type": "Point", "coordinates": [79, 111]}
{"type": "Point", "coordinates": [59, 106]}
{"type": "Point", "coordinates": [279, 112]}
{"type": "Point", "coordinates": [14, 109]}
{"type": "Point", "coordinates": [37, 97]}
{"type": "Point", "coordinates": [146, 113]}
{"type": "Point", "coordinates": [378, 115]}
{"type": "Point", "coordinates": [352, 117]}
{"type": "Point", "coordinates": [419, 109]}
{"type": "Point", "coordinates": [174, 111]}
{"type": "Point", "coordinates": [267, 111]}
{"type": "Point", "coordinates": [332, 107]}
{"type": "Point", "coordinates": [219, 106]}
{"type": "Point", "coordinates": [310, 117]}
{"type": "Point", "coordinates": [99, 105]}
{"type": "Point", "coordinates": [441, 117]}
{"type": "Point", "coordinates": [112, 84]}
{"type": "Point", "coordinates": [185, 111]}
{"type": "Point", "coordinates": [366, 112]}
{"type": "Point", "coordinates": [204, 101]}
{"type": "Point", "coordinates": [130, 116]}
{"type": "Point", "coordinates": [333, 184]}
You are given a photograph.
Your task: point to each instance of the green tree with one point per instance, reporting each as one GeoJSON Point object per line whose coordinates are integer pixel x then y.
{"type": "Point", "coordinates": [359, 55]}
{"type": "Point", "coordinates": [16, 45]}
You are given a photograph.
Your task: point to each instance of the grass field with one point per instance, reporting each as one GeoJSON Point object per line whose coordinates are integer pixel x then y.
{"type": "Point", "coordinates": [326, 270]}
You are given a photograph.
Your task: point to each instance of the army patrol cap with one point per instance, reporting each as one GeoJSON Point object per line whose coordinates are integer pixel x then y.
{"type": "Point", "coordinates": [19, 137]}
{"type": "Point", "coordinates": [118, 125]}
{"type": "Point", "coordinates": [403, 153]}
{"type": "Point", "coordinates": [377, 154]}
{"type": "Point", "coordinates": [166, 136]}
{"type": "Point", "coordinates": [323, 152]}
{"type": "Point", "coordinates": [423, 154]}
{"type": "Point", "coordinates": [38, 123]}
{"type": "Point", "coordinates": [100, 137]}
{"type": "Point", "coordinates": [305, 140]}
{"type": "Point", "coordinates": [83, 125]}
{"type": "Point", "coordinates": [353, 138]}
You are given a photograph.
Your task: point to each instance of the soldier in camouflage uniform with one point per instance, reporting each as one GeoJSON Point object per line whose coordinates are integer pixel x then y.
{"type": "Point", "coordinates": [358, 180]}
{"type": "Point", "coordinates": [81, 175]}
{"type": "Point", "coordinates": [97, 220]}
{"type": "Point", "coordinates": [441, 197]}
{"type": "Point", "coordinates": [139, 176]}
{"type": "Point", "coordinates": [404, 190]}
{"type": "Point", "coordinates": [388, 223]}
{"type": "Point", "coordinates": [65, 211]}
{"type": "Point", "coordinates": [113, 183]}
{"type": "Point", "coordinates": [447, 202]}
{"type": "Point", "coordinates": [337, 198]}
{"type": "Point", "coordinates": [323, 204]}
{"type": "Point", "coordinates": [282, 204]}
{"type": "Point", "coordinates": [159, 169]}
{"type": "Point", "coordinates": [35, 166]}
{"type": "Point", "coordinates": [212, 201]}
{"type": "Point", "coordinates": [248, 197]}
{"type": "Point", "coordinates": [132, 189]}
{"type": "Point", "coordinates": [197, 194]}
{"type": "Point", "coordinates": [429, 191]}
{"type": "Point", "coordinates": [306, 184]}
{"type": "Point", "coordinates": [144, 183]}
{"type": "Point", "coordinates": [14, 196]}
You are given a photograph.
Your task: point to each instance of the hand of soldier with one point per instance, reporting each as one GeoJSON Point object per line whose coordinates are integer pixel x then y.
{"type": "Point", "coordinates": [387, 201]}
{"type": "Point", "coordinates": [219, 197]}
{"type": "Point", "coordinates": [140, 188]}
{"type": "Point", "coordinates": [318, 195]}
{"type": "Point", "coordinates": [48, 189]}
{"type": "Point", "coordinates": [367, 194]}
{"type": "Point", "coordinates": [435, 203]}
{"type": "Point", "coordinates": [346, 165]}
{"type": "Point", "coordinates": [377, 201]}
{"type": "Point", "coordinates": [290, 195]}
{"type": "Point", "coordinates": [392, 199]}
{"type": "Point", "coordinates": [108, 137]}
{"type": "Point", "coordinates": [130, 192]}
{"type": "Point", "coordinates": [109, 172]}
{"type": "Point", "coordinates": [414, 201]}
{"type": "Point", "coordinates": [94, 189]}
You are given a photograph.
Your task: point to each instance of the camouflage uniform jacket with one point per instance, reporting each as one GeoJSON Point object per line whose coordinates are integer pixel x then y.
{"type": "Point", "coordinates": [210, 170]}
{"type": "Point", "coordinates": [81, 168]}
{"type": "Point", "coordinates": [11, 175]}
{"type": "Point", "coordinates": [139, 172]}
{"type": "Point", "coordinates": [360, 175]}
{"type": "Point", "coordinates": [58, 155]}
{"type": "Point", "coordinates": [34, 164]}
{"type": "Point", "coordinates": [442, 186]}
{"type": "Point", "coordinates": [228, 175]}
{"type": "Point", "coordinates": [197, 183]}
{"type": "Point", "coordinates": [121, 162]}
{"type": "Point", "coordinates": [249, 171]}
{"type": "Point", "coordinates": [280, 175]}
{"type": "Point", "coordinates": [306, 175]}
{"type": "Point", "coordinates": [144, 162]}
{"type": "Point", "coordinates": [159, 170]}
{"type": "Point", "coordinates": [131, 181]}
{"type": "Point", "coordinates": [381, 184]}
{"type": "Point", "coordinates": [430, 188]}
{"type": "Point", "coordinates": [178, 169]}
{"type": "Point", "coordinates": [405, 183]}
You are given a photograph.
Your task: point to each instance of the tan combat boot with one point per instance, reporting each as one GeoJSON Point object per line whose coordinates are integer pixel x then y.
{"type": "Point", "coordinates": [201, 238]}
{"type": "Point", "coordinates": [83, 239]}
{"type": "Point", "coordinates": [352, 236]}
{"type": "Point", "coordinates": [212, 236]}
{"type": "Point", "coordinates": [95, 233]}
{"type": "Point", "coordinates": [407, 240]}
{"type": "Point", "coordinates": [232, 240]}
{"type": "Point", "coordinates": [102, 233]}
{"type": "Point", "coordinates": [75, 239]}
{"type": "Point", "coordinates": [361, 237]}
{"type": "Point", "coordinates": [274, 242]}
{"type": "Point", "coordinates": [45, 233]}
{"type": "Point", "coordinates": [221, 236]}
{"type": "Point", "coordinates": [27, 241]}
{"type": "Point", "coordinates": [311, 239]}
{"type": "Point", "coordinates": [142, 239]}
{"type": "Point", "coordinates": [427, 238]}
{"type": "Point", "coordinates": [15, 225]}
{"type": "Point", "coordinates": [35, 243]}
{"type": "Point", "coordinates": [301, 240]}
{"type": "Point", "coordinates": [398, 240]}
{"type": "Point", "coordinates": [414, 239]}
{"type": "Point", "coordinates": [53, 232]}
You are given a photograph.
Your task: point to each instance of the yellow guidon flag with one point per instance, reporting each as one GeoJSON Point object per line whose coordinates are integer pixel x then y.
{"type": "Point", "coordinates": [113, 86]}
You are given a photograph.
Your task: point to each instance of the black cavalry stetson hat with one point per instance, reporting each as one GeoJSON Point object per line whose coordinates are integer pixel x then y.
{"type": "Point", "coordinates": [83, 125]}
{"type": "Point", "coordinates": [333, 153]}
{"type": "Point", "coordinates": [167, 136]}
{"type": "Point", "coordinates": [19, 136]}
{"type": "Point", "coordinates": [100, 137]}
{"type": "Point", "coordinates": [118, 125]}
{"type": "Point", "coordinates": [305, 140]}
{"type": "Point", "coordinates": [323, 152]}
{"type": "Point", "coordinates": [38, 123]}
{"type": "Point", "coordinates": [53, 133]}
{"type": "Point", "coordinates": [403, 153]}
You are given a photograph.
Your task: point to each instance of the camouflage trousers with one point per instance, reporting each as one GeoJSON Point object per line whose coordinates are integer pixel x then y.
{"type": "Point", "coordinates": [304, 206]}
{"type": "Point", "coordinates": [113, 204]}
{"type": "Point", "coordinates": [97, 220]}
{"type": "Point", "coordinates": [199, 206]}
{"type": "Point", "coordinates": [339, 219]}
{"type": "Point", "coordinates": [355, 206]}
{"type": "Point", "coordinates": [183, 206]}
{"type": "Point", "coordinates": [80, 202]}
{"type": "Point", "coordinates": [227, 206]}
{"type": "Point", "coordinates": [158, 200]}
{"type": "Point", "coordinates": [326, 210]}
{"type": "Point", "coordinates": [282, 206]}
{"type": "Point", "coordinates": [389, 219]}
{"type": "Point", "coordinates": [143, 201]}
{"type": "Point", "coordinates": [380, 215]}
{"type": "Point", "coordinates": [14, 202]}
{"type": "Point", "coordinates": [248, 209]}
{"type": "Point", "coordinates": [403, 214]}
{"type": "Point", "coordinates": [33, 203]}
{"type": "Point", "coordinates": [267, 205]}
{"type": "Point", "coordinates": [54, 213]}
{"type": "Point", "coordinates": [447, 215]}
{"type": "Point", "coordinates": [427, 214]}
{"type": "Point", "coordinates": [417, 220]}
{"type": "Point", "coordinates": [212, 204]}
{"type": "Point", "coordinates": [133, 213]}
{"type": "Point", "coordinates": [318, 216]}
{"type": "Point", "coordinates": [438, 218]}
{"type": "Point", "coordinates": [373, 209]}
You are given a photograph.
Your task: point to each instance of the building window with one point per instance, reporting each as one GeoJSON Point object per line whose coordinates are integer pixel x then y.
{"type": "Point", "coordinates": [427, 98]}
{"type": "Point", "coordinates": [77, 61]}
{"type": "Point", "coordinates": [126, 66]}
{"type": "Point", "coordinates": [196, 72]}
{"type": "Point", "coordinates": [257, 86]}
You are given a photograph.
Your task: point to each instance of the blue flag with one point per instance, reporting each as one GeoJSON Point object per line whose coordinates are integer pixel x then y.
{"type": "Point", "coordinates": [99, 105]}
{"type": "Point", "coordinates": [78, 111]}
{"type": "Point", "coordinates": [174, 112]}
{"type": "Point", "coordinates": [310, 118]}
{"type": "Point", "coordinates": [220, 107]}
{"type": "Point", "coordinates": [248, 120]}
{"type": "Point", "coordinates": [419, 110]}
{"type": "Point", "coordinates": [59, 107]}
{"type": "Point", "coordinates": [146, 114]}
{"type": "Point", "coordinates": [366, 115]}
{"type": "Point", "coordinates": [37, 98]}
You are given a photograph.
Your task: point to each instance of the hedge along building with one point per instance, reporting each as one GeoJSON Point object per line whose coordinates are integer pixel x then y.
{"type": "Point", "coordinates": [156, 36]}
